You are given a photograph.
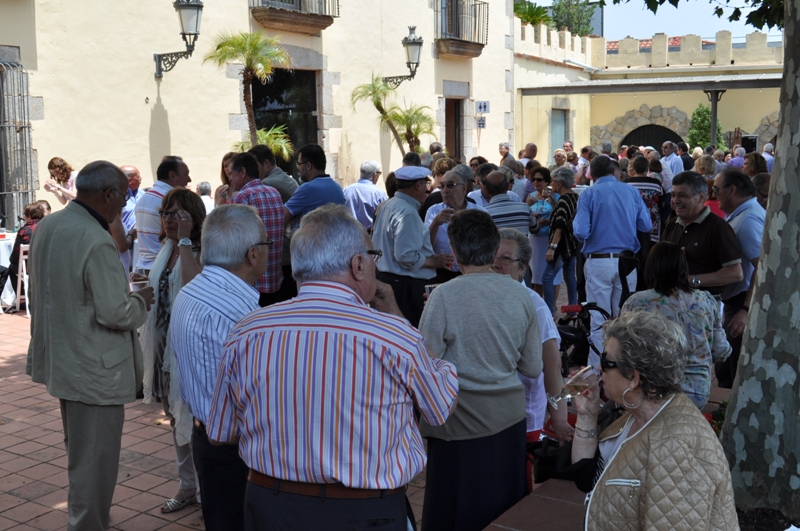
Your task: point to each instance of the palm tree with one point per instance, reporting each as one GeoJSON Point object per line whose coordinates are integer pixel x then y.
{"type": "Point", "coordinates": [377, 91]}
{"type": "Point", "coordinates": [531, 13]}
{"type": "Point", "coordinates": [257, 54]}
{"type": "Point", "coordinates": [414, 121]}
{"type": "Point", "coordinates": [275, 138]}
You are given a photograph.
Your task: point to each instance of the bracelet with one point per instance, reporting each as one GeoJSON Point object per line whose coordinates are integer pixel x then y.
{"type": "Point", "coordinates": [590, 434]}
{"type": "Point", "coordinates": [553, 246]}
{"type": "Point", "coordinates": [746, 308]}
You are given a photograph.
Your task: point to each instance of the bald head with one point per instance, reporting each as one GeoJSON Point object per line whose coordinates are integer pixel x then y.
{"type": "Point", "coordinates": [530, 151]}
{"type": "Point", "coordinates": [496, 183]}
{"type": "Point", "coordinates": [133, 175]}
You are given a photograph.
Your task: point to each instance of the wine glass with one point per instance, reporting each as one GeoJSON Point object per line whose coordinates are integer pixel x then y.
{"type": "Point", "coordinates": [577, 384]}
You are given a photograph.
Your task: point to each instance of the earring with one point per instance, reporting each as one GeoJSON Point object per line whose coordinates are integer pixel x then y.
{"type": "Point", "coordinates": [631, 406]}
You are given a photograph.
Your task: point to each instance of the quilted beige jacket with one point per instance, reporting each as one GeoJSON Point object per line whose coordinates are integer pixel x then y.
{"type": "Point", "coordinates": [671, 475]}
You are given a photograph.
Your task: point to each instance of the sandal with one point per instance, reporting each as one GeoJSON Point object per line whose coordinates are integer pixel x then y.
{"type": "Point", "coordinates": [172, 505]}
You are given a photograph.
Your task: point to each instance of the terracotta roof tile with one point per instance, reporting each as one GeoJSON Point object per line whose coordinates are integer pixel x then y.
{"type": "Point", "coordinates": [646, 44]}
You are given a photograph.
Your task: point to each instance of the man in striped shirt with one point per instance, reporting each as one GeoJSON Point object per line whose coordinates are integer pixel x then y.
{"type": "Point", "coordinates": [171, 173]}
{"type": "Point", "coordinates": [320, 391]}
{"type": "Point", "coordinates": [504, 211]}
{"type": "Point", "coordinates": [235, 253]}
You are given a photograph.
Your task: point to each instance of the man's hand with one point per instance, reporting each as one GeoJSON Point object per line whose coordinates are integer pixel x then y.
{"type": "Point", "coordinates": [737, 324]}
{"type": "Point", "coordinates": [221, 195]}
{"type": "Point", "coordinates": [384, 300]}
{"type": "Point", "coordinates": [443, 217]}
{"type": "Point", "coordinates": [148, 295]}
{"type": "Point", "coordinates": [439, 261]}
{"type": "Point", "coordinates": [563, 431]}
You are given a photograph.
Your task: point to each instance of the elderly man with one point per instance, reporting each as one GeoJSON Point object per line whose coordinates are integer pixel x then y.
{"type": "Point", "coordinates": [84, 344]}
{"type": "Point", "coordinates": [608, 216]}
{"type": "Point", "coordinates": [670, 159]}
{"type": "Point", "coordinates": [363, 197]}
{"type": "Point", "coordinates": [318, 187]}
{"type": "Point", "coordinates": [129, 211]}
{"type": "Point", "coordinates": [769, 155]}
{"type": "Point", "coordinates": [568, 146]}
{"type": "Point", "coordinates": [530, 152]}
{"type": "Point", "coordinates": [506, 212]}
{"type": "Point", "coordinates": [204, 191]}
{"type": "Point", "coordinates": [235, 253]}
{"type": "Point", "coordinates": [267, 202]}
{"type": "Point", "coordinates": [329, 432]}
{"type": "Point", "coordinates": [737, 198]}
{"type": "Point", "coordinates": [480, 196]}
{"type": "Point", "coordinates": [270, 174]}
{"type": "Point", "coordinates": [409, 260]}
{"type": "Point", "coordinates": [711, 248]}
{"type": "Point", "coordinates": [737, 161]}
{"type": "Point", "coordinates": [171, 173]}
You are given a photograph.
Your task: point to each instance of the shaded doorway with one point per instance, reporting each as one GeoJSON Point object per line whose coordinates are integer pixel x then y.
{"type": "Point", "coordinates": [288, 98]}
{"type": "Point", "coordinates": [558, 131]}
{"type": "Point", "coordinates": [453, 128]}
{"type": "Point", "coordinates": [650, 135]}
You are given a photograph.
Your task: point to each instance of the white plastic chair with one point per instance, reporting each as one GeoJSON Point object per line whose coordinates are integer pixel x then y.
{"type": "Point", "coordinates": [22, 279]}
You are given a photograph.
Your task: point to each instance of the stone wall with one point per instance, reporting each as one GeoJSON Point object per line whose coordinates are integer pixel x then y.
{"type": "Point", "coordinates": [669, 117]}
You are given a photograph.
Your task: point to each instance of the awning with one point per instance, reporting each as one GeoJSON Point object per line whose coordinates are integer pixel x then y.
{"type": "Point", "coordinates": [659, 84]}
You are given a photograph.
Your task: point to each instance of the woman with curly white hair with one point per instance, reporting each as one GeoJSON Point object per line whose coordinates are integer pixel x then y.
{"type": "Point", "coordinates": [659, 466]}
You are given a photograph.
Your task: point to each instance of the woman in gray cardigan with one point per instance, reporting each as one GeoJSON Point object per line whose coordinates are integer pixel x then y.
{"type": "Point", "coordinates": [486, 325]}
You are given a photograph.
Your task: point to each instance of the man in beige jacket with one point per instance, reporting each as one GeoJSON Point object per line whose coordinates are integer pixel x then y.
{"type": "Point", "coordinates": [84, 345]}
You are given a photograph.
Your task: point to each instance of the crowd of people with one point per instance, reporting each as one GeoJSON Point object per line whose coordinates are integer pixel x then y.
{"type": "Point", "coordinates": [303, 339]}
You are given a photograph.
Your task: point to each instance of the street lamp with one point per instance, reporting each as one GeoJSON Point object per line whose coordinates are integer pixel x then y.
{"type": "Point", "coordinates": [413, 46]}
{"type": "Point", "coordinates": [190, 13]}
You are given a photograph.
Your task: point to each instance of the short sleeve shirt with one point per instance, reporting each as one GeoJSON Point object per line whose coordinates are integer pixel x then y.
{"type": "Point", "coordinates": [314, 194]}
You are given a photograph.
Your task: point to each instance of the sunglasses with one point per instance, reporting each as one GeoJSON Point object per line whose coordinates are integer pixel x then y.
{"type": "Point", "coordinates": [539, 180]}
{"type": "Point", "coordinates": [605, 363]}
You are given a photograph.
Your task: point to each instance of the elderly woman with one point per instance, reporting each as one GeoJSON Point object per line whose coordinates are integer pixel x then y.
{"type": "Point", "coordinates": [560, 158]}
{"type": "Point", "coordinates": [706, 166]}
{"type": "Point", "coordinates": [754, 163]}
{"type": "Point", "coordinates": [562, 249]}
{"type": "Point", "coordinates": [454, 186]}
{"type": "Point", "coordinates": [178, 262]}
{"type": "Point", "coordinates": [62, 180]}
{"type": "Point", "coordinates": [486, 325]}
{"type": "Point", "coordinates": [666, 274]}
{"type": "Point", "coordinates": [543, 202]}
{"type": "Point", "coordinates": [659, 466]}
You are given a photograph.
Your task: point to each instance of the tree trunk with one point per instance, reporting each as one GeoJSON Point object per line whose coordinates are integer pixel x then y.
{"type": "Point", "coordinates": [247, 94]}
{"type": "Point", "coordinates": [761, 435]}
{"type": "Point", "coordinates": [392, 128]}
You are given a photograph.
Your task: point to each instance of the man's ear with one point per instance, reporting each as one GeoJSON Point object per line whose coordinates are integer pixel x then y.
{"type": "Point", "coordinates": [252, 256]}
{"type": "Point", "coordinates": [358, 267]}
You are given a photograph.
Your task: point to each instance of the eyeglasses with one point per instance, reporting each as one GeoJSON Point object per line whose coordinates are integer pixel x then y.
{"type": "Point", "coordinates": [268, 242]}
{"type": "Point", "coordinates": [301, 162]}
{"type": "Point", "coordinates": [169, 214]}
{"type": "Point", "coordinates": [451, 184]}
{"type": "Point", "coordinates": [507, 260]}
{"type": "Point", "coordinates": [605, 363]}
{"type": "Point", "coordinates": [474, 165]}
{"type": "Point", "coordinates": [539, 180]}
{"type": "Point", "coordinates": [376, 254]}
{"type": "Point", "coordinates": [127, 194]}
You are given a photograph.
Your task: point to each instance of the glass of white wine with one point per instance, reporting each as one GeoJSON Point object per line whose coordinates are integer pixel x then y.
{"type": "Point", "coordinates": [577, 384]}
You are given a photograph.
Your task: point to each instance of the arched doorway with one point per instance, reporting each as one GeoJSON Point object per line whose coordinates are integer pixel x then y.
{"type": "Point", "coordinates": [650, 135]}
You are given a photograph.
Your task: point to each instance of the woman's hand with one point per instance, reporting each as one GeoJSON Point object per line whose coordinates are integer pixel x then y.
{"type": "Point", "coordinates": [588, 403]}
{"type": "Point", "coordinates": [221, 195]}
{"type": "Point", "coordinates": [550, 255]}
{"type": "Point", "coordinates": [185, 224]}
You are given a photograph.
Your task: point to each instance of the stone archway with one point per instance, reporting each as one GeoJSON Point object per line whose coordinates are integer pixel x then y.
{"type": "Point", "coordinates": [767, 130]}
{"type": "Point", "coordinates": [669, 117]}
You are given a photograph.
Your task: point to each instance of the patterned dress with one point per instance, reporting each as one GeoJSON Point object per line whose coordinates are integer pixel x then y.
{"type": "Point", "coordinates": [700, 318]}
{"type": "Point", "coordinates": [163, 313]}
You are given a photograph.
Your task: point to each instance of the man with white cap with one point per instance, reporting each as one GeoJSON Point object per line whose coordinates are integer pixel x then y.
{"type": "Point", "coordinates": [408, 259]}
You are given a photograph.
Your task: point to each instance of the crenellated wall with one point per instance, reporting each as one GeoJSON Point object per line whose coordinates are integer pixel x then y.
{"type": "Point", "coordinates": [540, 42]}
{"type": "Point", "coordinates": [722, 52]}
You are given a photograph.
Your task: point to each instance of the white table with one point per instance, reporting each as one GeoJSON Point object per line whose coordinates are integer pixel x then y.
{"type": "Point", "coordinates": [6, 247]}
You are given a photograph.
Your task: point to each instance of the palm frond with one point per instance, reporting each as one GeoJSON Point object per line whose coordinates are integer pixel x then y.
{"type": "Point", "coordinates": [275, 138]}
{"type": "Point", "coordinates": [531, 13]}
{"type": "Point", "coordinates": [257, 53]}
{"type": "Point", "coordinates": [376, 91]}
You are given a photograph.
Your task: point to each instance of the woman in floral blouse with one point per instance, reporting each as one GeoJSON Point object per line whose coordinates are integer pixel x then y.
{"type": "Point", "coordinates": [696, 311]}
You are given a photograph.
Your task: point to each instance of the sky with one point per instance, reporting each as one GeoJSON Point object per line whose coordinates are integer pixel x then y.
{"type": "Point", "coordinates": [691, 17]}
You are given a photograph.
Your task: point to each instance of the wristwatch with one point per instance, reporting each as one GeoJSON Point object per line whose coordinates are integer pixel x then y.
{"type": "Point", "coordinates": [695, 282]}
{"type": "Point", "coordinates": [554, 246]}
{"type": "Point", "coordinates": [184, 242]}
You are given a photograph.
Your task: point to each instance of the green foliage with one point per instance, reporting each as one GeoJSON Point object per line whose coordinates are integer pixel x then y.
{"type": "Point", "coordinates": [275, 138]}
{"type": "Point", "coordinates": [700, 131]}
{"type": "Point", "coordinates": [575, 15]}
{"type": "Point", "coordinates": [761, 12]}
{"type": "Point", "coordinates": [412, 122]}
{"type": "Point", "coordinates": [531, 13]}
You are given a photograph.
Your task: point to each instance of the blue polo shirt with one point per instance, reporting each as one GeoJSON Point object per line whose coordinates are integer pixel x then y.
{"type": "Point", "coordinates": [313, 194]}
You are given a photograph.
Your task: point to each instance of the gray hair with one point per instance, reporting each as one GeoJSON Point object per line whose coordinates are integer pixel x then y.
{"type": "Point", "coordinates": [464, 173]}
{"type": "Point", "coordinates": [426, 159]}
{"type": "Point", "coordinates": [228, 233]}
{"type": "Point", "coordinates": [473, 237]}
{"type": "Point", "coordinates": [741, 152]}
{"type": "Point", "coordinates": [652, 345]}
{"type": "Point", "coordinates": [326, 242]}
{"type": "Point", "coordinates": [98, 176]}
{"type": "Point", "coordinates": [508, 172]}
{"type": "Point", "coordinates": [524, 249]}
{"type": "Point", "coordinates": [505, 145]}
{"type": "Point", "coordinates": [563, 175]}
{"type": "Point", "coordinates": [369, 168]}
{"type": "Point", "coordinates": [623, 163]}
{"type": "Point", "coordinates": [654, 155]}
{"type": "Point", "coordinates": [605, 147]}
{"type": "Point", "coordinates": [204, 188]}
{"type": "Point", "coordinates": [768, 148]}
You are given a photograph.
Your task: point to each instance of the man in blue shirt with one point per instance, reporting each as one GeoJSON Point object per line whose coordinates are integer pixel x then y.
{"type": "Point", "coordinates": [363, 197]}
{"type": "Point", "coordinates": [769, 155]}
{"type": "Point", "coordinates": [318, 187]}
{"type": "Point", "coordinates": [608, 216]}
{"type": "Point", "coordinates": [737, 198]}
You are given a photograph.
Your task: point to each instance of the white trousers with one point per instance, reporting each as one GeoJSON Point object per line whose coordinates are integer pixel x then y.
{"type": "Point", "coordinates": [604, 287]}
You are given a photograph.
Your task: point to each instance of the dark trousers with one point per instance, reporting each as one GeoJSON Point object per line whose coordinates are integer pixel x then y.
{"type": "Point", "coordinates": [223, 478]}
{"type": "Point", "coordinates": [470, 483]}
{"type": "Point", "coordinates": [288, 289]}
{"type": "Point", "coordinates": [268, 510]}
{"type": "Point", "coordinates": [408, 292]}
{"type": "Point", "coordinates": [726, 370]}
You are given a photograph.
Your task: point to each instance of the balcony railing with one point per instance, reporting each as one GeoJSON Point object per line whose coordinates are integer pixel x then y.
{"type": "Point", "coordinates": [463, 20]}
{"type": "Point", "coordinates": [328, 8]}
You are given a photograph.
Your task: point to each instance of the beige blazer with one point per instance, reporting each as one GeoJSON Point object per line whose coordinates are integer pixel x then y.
{"type": "Point", "coordinates": [84, 344]}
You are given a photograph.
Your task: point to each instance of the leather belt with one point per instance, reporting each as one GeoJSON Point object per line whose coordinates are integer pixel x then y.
{"type": "Point", "coordinates": [603, 255]}
{"type": "Point", "coordinates": [319, 490]}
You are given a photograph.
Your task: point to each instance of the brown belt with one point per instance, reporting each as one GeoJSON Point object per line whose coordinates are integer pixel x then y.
{"type": "Point", "coordinates": [603, 255]}
{"type": "Point", "coordinates": [319, 490]}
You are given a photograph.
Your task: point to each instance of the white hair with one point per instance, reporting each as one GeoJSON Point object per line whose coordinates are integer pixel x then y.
{"type": "Point", "coordinates": [741, 152]}
{"type": "Point", "coordinates": [768, 148]}
{"type": "Point", "coordinates": [369, 168]}
{"type": "Point", "coordinates": [228, 233]}
{"type": "Point", "coordinates": [463, 172]}
{"type": "Point", "coordinates": [326, 242]}
{"type": "Point", "coordinates": [605, 147]}
{"type": "Point", "coordinates": [426, 159]}
{"type": "Point", "coordinates": [204, 188]}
